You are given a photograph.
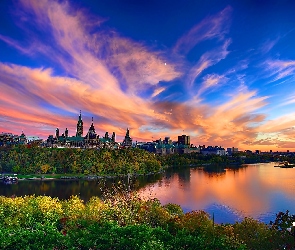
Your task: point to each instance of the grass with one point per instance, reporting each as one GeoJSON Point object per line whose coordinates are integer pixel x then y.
{"type": "Point", "coordinates": [55, 176]}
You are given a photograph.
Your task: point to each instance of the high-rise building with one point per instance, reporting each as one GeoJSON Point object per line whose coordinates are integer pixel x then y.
{"type": "Point", "coordinates": [184, 139]}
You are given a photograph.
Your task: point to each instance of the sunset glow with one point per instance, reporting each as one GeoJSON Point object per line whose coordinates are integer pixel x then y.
{"type": "Point", "coordinates": [219, 71]}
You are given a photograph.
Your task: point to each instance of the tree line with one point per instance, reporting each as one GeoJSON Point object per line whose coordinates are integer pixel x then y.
{"type": "Point", "coordinates": [38, 160]}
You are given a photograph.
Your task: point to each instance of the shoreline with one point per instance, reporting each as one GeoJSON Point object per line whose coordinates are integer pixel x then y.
{"type": "Point", "coordinates": [65, 177]}
{"type": "Point", "coordinates": [50, 177]}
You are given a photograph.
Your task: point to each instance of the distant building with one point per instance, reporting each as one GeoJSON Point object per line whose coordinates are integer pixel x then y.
{"type": "Point", "coordinates": [148, 146]}
{"type": "Point", "coordinates": [91, 134]}
{"type": "Point", "coordinates": [232, 150]}
{"type": "Point", "coordinates": [127, 142]}
{"type": "Point", "coordinates": [213, 151]}
{"type": "Point", "coordinates": [33, 139]}
{"type": "Point", "coordinates": [22, 138]}
{"type": "Point", "coordinates": [79, 132]}
{"type": "Point", "coordinates": [167, 140]}
{"type": "Point", "coordinates": [184, 140]}
{"type": "Point", "coordinates": [113, 137]}
{"type": "Point", "coordinates": [90, 140]}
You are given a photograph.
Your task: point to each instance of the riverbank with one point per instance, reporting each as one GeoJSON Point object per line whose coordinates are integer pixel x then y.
{"type": "Point", "coordinates": [126, 221]}
{"type": "Point", "coordinates": [48, 177]}
{"type": "Point", "coordinates": [207, 167]}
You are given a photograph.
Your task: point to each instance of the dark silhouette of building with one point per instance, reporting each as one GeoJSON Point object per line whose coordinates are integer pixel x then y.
{"type": "Point", "coordinates": [91, 135]}
{"type": "Point", "coordinates": [57, 133]}
{"type": "Point", "coordinates": [66, 133]}
{"type": "Point", "coordinates": [113, 137]}
{"type": "Point", "coordinates": [127, 142]}
{"type": "Point", "coordinates": [184, 140]}
{"type": "Point", "coordinates": [80, 126]}
{"type": "Point", "coordinates": [90, 140]}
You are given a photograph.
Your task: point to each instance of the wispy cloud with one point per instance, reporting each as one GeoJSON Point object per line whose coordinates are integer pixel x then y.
{"type": "Point", "coordinates": [208, 59]}
{"type": "Point", "coordinates": [216, 26]}
{"type": "Point", "coordinates": [279, 69]}
{"type": "Point", "coordinates": [268, 45]}
{"type": "Point", "coordinates": [211, 82]}
{"type": "Point", "coordinates": [157, 91]}
{"type": "Point", "coordinates": [138, 65]}
{"type": "Point", "coordinates": [103, 73]}
{"type": "Point", "coordinates": [15, 44]}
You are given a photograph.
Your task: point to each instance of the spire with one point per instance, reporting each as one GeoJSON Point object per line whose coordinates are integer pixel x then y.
{"type": "Point", "coordinates": [91, 132]}
{"type": "Point", "coordinates": [127, 132]}
{"type": "Point", "coordinates": [80, 116]}
{"type": "Point", "coordinates": [92, 129]}
{"type": "Point", "coordinates": [127, 140]}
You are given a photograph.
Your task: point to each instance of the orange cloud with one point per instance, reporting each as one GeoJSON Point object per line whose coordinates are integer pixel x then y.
{"type": "Point", "coordinates": [105, 75]}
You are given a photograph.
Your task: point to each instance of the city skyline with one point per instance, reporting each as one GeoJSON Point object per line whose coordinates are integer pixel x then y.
{"type": "Point", "coordinates": [221, 72]}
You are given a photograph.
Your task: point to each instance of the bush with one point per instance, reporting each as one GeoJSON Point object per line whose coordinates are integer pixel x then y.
{"type": "Point", "coordinates": [126, 221]}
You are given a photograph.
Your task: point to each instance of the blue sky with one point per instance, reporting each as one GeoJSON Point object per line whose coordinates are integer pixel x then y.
{"type": "Point", "coordinates": [219, 71]}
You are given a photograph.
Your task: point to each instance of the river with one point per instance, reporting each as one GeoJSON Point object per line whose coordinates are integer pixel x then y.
{"type": "Point", "coordinates": [257, 190]}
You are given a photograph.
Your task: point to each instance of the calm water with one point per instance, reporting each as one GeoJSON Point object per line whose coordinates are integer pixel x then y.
{"type": "Point", "coordinates": [259, 190]}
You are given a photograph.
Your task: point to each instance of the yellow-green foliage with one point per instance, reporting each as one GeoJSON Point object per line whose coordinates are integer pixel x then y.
{"type": "Point", "coordinates": [128, 209]}
{"type": "Point", "coordinates": [259, 235]}
{"type": "Point", "coordinates": [73, 208]}
{"type": "Point", "coordinates": [29, 209]}
{"type": "Point", "coordinates": [94, 209]}
{"type": "Point", "coordinates": [195, 221]}
{"type": "Point", "coordinates": [70, 160]}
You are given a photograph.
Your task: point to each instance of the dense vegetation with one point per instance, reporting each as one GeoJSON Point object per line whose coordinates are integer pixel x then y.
{"type": "Point", "coordinates": [126, 221]}
{"type": "Point", "coordinates": [227, 161]}
{"type": "Point", "coordinates": [123, 220]}
{"type": "Point", "coordinates": [75, 161]}
{"type": "Point", "coordinates": [35, 160]}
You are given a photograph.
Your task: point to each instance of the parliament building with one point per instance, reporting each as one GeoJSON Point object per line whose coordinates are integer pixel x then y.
{"type": "Point", "coordinates": [90, 140]}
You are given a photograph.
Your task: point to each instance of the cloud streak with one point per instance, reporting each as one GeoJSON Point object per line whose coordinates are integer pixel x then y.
{"type": "Point", "coordinates": [126, 83]}
{"type": "Point", "coordinates": [212, 27]}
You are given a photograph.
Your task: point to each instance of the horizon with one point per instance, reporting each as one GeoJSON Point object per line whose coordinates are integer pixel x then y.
{"type": "Point", "coordinates": [221, 71]}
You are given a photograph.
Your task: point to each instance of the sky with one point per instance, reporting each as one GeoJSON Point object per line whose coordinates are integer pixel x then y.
{"type": "Point", "coordinates": [219, 71]}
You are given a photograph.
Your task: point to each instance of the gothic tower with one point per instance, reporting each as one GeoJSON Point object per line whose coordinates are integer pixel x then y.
{"type": "Point", "coordinates": [80, 126]}
{"type": "Point", "coordinates": [127, 142]}
{"type": "Point", "coordinates": [91, 133]}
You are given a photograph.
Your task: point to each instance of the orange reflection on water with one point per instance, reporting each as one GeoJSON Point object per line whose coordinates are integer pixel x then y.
{"type": "Point", "coordinates": [250, 191]}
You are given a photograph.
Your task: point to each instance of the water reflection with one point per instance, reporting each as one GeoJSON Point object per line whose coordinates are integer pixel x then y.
{"type": "Point", "coordinates": [258, 190]}
{"type": "Point", "coordinates": [85, 189]}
